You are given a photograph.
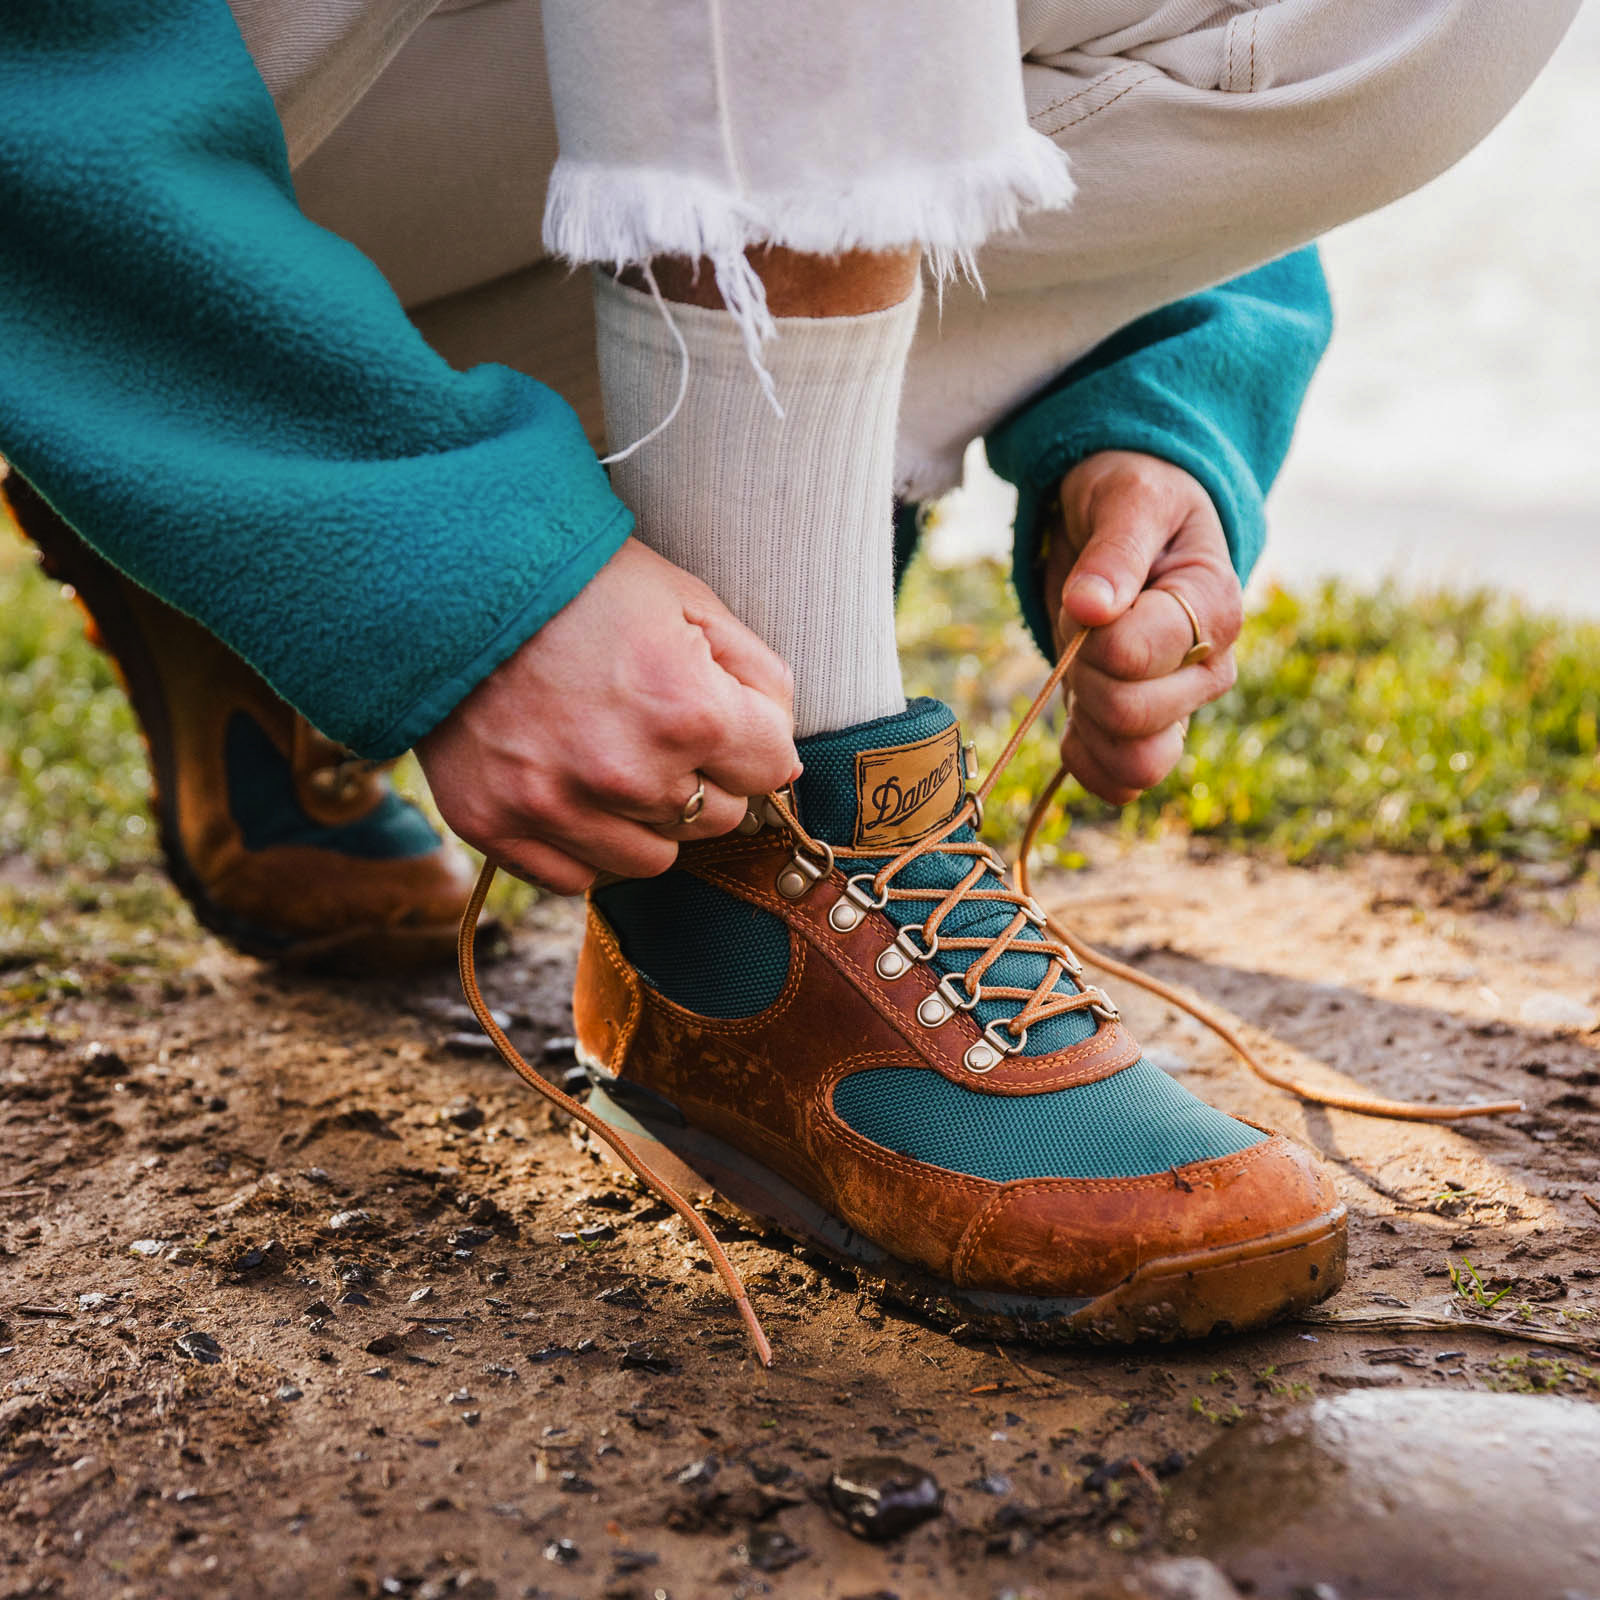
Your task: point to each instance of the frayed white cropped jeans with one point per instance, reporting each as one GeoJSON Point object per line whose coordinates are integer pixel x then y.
{"type": "Point", "coordinates": [1201, 137]}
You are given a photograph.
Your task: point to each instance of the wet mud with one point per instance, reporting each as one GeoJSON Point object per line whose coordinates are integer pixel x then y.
{"type": "Point", "coordinates": [301, 1293]}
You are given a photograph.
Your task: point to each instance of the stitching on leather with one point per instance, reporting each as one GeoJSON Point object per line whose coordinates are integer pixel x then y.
{"type": "Point", "coordinates": [821, 1106]}
{"type": "Point", "coordinates": [761, 1019]}
{"type": "Point", "coordinates": [1217, 1167]}
{"type": "Point", "coordinates": [1052, 1071]}
{"type": "Point", "coordinates": [1156, 1182]}
{"type": "Point", "coordinates": [770, 901]}
{"type": "Point", "coordinates": [612, 951]}
{"type": "Point", "coordinates": [976, 1231]}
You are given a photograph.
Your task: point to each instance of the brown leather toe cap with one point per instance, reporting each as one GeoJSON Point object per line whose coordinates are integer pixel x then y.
{"type": "Point", "coordinates": [1060, 1236]}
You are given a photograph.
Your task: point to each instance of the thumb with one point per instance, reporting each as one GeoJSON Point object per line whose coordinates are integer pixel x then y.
{"type": "Point", "coordinates": [1126, 533]}
{"type": "Point", "coordinates": [742, 654]}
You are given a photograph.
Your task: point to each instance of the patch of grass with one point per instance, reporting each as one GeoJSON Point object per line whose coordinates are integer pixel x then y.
{"type": "Point", "coordinates": [72, 765]}
{"type": "Point", "coordinates": [1455, 726]}
{"type": "Point", "coordinates": [1543, 1375]}
{"type": "Point", "coordinates": [1452, 725]}
{"type": "Point", "coordinates": [1467, 1285]}
{"type": "Point", "coordinates": [1224, 1418]}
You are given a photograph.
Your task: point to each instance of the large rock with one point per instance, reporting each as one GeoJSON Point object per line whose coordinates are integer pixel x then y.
{"type": "Point", "coordinates": [1402, 1495]}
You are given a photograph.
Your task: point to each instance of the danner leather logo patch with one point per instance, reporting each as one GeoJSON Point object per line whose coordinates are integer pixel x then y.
{"type": "Point", "coordinates": [908, 790]}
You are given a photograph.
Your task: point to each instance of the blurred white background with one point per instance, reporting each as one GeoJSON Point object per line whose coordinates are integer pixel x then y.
{"type": "Point", "coordinates": [1452, 435]}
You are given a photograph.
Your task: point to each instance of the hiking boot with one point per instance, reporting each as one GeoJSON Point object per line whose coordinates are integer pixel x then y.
{"type": "Point", "coordinates": [281, 841]}
{"type": "Point", "coordinates": [845, 1021]}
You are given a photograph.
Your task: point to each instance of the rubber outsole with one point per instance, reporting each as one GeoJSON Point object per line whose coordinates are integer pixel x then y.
{"type": "Point", "coordinates": [1198, 1295]}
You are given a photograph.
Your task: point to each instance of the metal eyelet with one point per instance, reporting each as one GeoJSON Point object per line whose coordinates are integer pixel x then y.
{"type": "Point", "coordinates": [802, 873]}
{"type": "Point", "coordinates": [750, 822]}
{"type": "Point", "coordinates": [891, 965]}
{"type": "Point", "coordinates": [849, 911]}
{"type": "Point", "coordinates": [985, 1054]}
{"type": "Point", "coordinates": [1102, 1005]}
{"type": "Point", "coordinates": [899, 958]}
{"type": "Point", "coordinates": [938, 1008]}
{"type": "Point", "coordinates": [969, 761]}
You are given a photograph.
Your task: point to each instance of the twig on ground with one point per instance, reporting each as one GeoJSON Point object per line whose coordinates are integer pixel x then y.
{"type": "Point", "coordinates": [1593, 1204]}
{"type": "Point", "coordinates": [1501, 1330]}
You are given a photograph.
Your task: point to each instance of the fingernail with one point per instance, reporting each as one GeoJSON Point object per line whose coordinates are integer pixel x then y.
{"type": "Point", "coordinates": [1093, 588]}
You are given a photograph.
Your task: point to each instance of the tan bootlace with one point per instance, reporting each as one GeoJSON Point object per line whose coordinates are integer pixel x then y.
{"type": "Point", "coordinates": [1064, 951]}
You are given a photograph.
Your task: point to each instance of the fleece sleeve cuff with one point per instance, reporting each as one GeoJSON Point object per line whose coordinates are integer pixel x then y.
{"type": "Point", "coordinates": [1213, 384]}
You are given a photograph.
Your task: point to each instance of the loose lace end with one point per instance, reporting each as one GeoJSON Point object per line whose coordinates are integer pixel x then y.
{"type": "Point", "coordinates": [466, 960]}
{"type": "Point", "coordinates": [1363, 1105]}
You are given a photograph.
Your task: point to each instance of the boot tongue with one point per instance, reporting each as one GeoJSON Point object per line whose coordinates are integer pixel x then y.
{"type": "Point", "coordinates": [881, 785]}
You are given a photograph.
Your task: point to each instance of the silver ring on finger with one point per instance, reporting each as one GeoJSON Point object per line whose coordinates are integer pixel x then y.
{"type": "Point", "coordinates": [1200, 648]}
{"type": "Point", "coordinates": [694, 805]}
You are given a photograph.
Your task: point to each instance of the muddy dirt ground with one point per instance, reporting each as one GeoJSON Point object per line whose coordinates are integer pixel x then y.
{"type": "Point", "coordinates": [301, 1293]}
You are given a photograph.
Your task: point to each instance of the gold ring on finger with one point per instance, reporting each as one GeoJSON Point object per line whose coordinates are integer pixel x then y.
{"type": "Point", "coordinates": [694, 805]}
{"type": "Point", "coordinates": [1200, 649]}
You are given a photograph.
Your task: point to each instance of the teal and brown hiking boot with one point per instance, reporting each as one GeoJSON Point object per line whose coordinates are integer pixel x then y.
{"type": "Point", "coordinates": [845, 1020]}
{"type": "Point", "coordinates": [282, 843]}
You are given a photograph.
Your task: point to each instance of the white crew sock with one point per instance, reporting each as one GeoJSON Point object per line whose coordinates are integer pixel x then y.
{"type": "Point", "coordinates": [787, 519]}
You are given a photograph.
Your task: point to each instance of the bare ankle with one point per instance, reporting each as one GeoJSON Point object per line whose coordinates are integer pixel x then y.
{"type": "Point", "coordinates": [797, 284]}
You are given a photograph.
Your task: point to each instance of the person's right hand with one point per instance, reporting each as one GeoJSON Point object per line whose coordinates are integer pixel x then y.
{"type": "Point", "coordinates": [578, 754]}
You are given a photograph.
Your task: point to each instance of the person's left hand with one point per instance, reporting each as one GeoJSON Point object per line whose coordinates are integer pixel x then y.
{"type": "Point", "coordinates": [1132, 525]}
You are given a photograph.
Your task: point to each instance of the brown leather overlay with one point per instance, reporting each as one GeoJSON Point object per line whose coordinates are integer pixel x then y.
{"type": "Point", "coordinates": [764, 1084]}
{"type": "Point", "coordinates": [906, 791]}
{"type": "Point", "coordinates": [749, 870]}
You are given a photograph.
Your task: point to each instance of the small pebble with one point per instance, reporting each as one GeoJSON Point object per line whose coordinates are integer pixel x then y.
{"type": "Point", "coordinates": [642, 1356]}
{"type": "Point", "coordinates": [200, 1347]}
{"type": "Point", "coordinates": [463, 1113]}
{"type": "Point", "coordinates": [469, 1044]}
{"type": "Point", "coordinates": [882, 1497]}
{"type": "Point", "coordinates": [770, 1550]}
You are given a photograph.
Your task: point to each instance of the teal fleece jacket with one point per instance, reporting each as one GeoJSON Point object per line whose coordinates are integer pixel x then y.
{"type": "Point", "coordinates": [230, 404]}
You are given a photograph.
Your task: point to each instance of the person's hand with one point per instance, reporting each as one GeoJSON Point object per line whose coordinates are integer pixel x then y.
{"type": "Point", "coordinates": [1133, 525]}
{"type": "Point", "coordinates": [578, 754]}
